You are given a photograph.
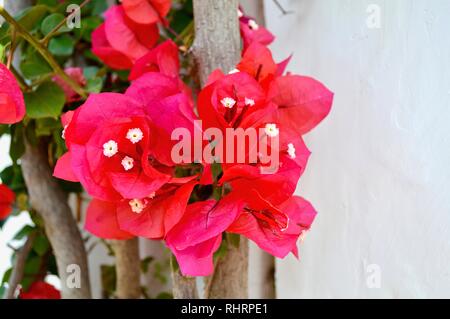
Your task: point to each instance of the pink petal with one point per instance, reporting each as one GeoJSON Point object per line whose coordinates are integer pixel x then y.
{"type": "Point", "coordinates": [146, 11]}
{"type": "Point", "coordinates": [101, 221]}
{"type": "Point", "coordinates": [63, 169]}
{"type": "Point", "coordinates": [303, 102]}
{"type": "Point", "coordinates": [12, 104]}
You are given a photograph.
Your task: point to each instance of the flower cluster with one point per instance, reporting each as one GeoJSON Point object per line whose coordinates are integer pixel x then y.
{"type": "Point", "coordinates": [129, 32]}
{"type": "Point", "coordinates": [121, 146]}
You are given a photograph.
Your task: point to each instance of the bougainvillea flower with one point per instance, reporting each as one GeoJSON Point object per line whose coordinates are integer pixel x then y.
{"type": "Point", "coordinates": [153, 217]}
{"type": "Point", "coordinates": [163, 59]}
{"type": "Point", "coordinates": [251, 32]}
{"type": "Point", "coordinates": [40, 290]}
{"type": "Point", "coordinates": [77, 75]}
{"type": "Point", "coordinates": [302, 102]}
{"type": "Point", "coordinates": [114, 148]}
{"type": "Point", "coordinates": [7, 198]}
{"type": "Point", "coordinates": [274, 229]}
{"type": "Point", "coordinates": [119, 42]}
{"type": "Point", "coordinates": [12, 104]}
{"type": "Point", "coordinates": [198, 234]}
{"type": "Point", "coordinates": [106, 53]}
{"type": "Point", "coordinates": [169, 103]}
{"type": "Point", "coordinates": [146, 11]}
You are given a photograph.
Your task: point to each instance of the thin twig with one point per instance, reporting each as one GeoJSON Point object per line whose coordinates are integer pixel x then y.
{"type": "Point", "coordinates": [44, 52]}
{"type": "Point", "coordinates": [12, 49]}
{"type": "Point", "coordinates": [282, 9]}
{"type": "Point", "coordinates": [19, 266]}
{"type": "Point", "coordinates": [23, 85]}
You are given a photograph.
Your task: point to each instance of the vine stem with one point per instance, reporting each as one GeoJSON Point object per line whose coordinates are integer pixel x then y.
{"type": "Point", "coordinates": [44, 52]}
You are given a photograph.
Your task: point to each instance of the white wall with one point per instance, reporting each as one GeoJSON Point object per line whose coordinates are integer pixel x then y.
{"type": "Point", "coordinates": [380, 170]}
{"type": "Point", "coordinates": [379, 174]}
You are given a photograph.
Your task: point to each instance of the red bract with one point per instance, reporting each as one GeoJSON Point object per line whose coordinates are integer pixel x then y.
{"type": "Point", "coordinates": [274, 228]}
{"type": "Point", "coordinates": [146, 11]}
{"type": "Point", "coordinates": [163, 59]}
{"type": "Point", "coordinates": [199, 233]}
{"type": "Point", "coordinates": [77, 75]}
{"type": "Point", "coordinates": [302, 102]}
{"type": "Point", "coordinates": [12, 104]}
{"type": "Point", "coordinates": [7, 198]}
{"type": "Point", "coordinates": [40, 290]}
{"type": "Point", "coordinates": [119, 41]}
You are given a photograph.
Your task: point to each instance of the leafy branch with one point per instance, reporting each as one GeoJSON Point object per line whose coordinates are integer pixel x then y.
{"type": "Point", "coordinates": [43, 51]}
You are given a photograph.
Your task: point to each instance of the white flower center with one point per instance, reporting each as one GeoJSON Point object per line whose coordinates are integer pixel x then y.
{"type": "Point", "coordinates": [228, 102]}
{"type": "Point", "coordinates": [234, 71]}
{"type": "Point", "coordinates": [253, 25]}
{"type": "Point", "coordinates": [271, 130]}
{"type": "Point", "coordinates": [110, 148]}
{"type": "Point", "coordinates": [291, 150]}
{"type": "Point", "coordinates": [249, 102]}
{"type": "Point", "coordinates": [135, 135]}
{"type": "Point", "coordinates": [303, 235]}
{"type": "Point", "coordinates": [127, 163]}
{"type": "Point", "coordinates": [137, 205]}
{"type": "Point", "coordinates": [63, 134]}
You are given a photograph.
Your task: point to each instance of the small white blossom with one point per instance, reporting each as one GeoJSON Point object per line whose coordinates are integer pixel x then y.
{"type": "Point", "coordinates": [253, 25]}
{"type": "Point", "coordinates": [135, 135]}
{"type": "Point", "coordinates": [137, 205]}
{"type": "Point", "coordinates": [234, 71]}
{"type": "Point", "coordinates": [228, 102]}
{"type": "Point", "coordinates": [63, 134]}
{"type": "Point", "coordinates": [127, 163]}
{"type": "Point", "coordinates": [272, 130]}
{"type": "Point", "coordinates": [291, 150]}
{"type": "Point", "coordinates": [110, 148]}
{"type": "Point", "coordinates": [249, 102]}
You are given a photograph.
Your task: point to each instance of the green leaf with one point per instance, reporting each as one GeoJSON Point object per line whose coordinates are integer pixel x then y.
{"type": "Point", "coordinates": [24, 232]}
{"type": "Point", "coordinates": [41, 245]}
{"type": "Point", "coordinates": [17, 147]}
{"type": "Point", "coordinates": [30, 17]}
{"type": "Point", "coordinates": [47, 101]}
{"type": "Point", "coordinates": [34, 65]}
{"type": "Point", "coordinates": [46, 126]}
{"type": "Point", "coordinates": [62, 45]}
{"type": "Point", "coordinates": [51, 22]}
{"type": "Point", "coordinates": [2, 53]}
{"type": "Point", "coordinates": [164, 295]}
{"type": "Point", "coordinates": [50, 3]}
{"type": "Point", "coordinates": [88, 25]}
{"type": "Point", "coordinates": [145, 263]}
{"type": "Point", "coordinates": [6, 276]}
{"type": "Point", "coordinates": [94, 85]}
{"type": "Point", "coordinates": [99, 6]}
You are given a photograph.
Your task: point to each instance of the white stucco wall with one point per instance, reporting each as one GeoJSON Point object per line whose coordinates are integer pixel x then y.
{"type": "Point", "coordinates": [379, 174]}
